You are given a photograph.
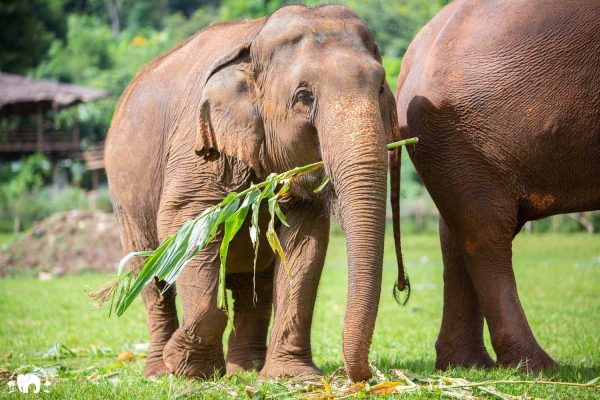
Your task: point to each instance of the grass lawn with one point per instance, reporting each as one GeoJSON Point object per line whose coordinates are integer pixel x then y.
{"type": "Point", "coordinates": [558, 278]}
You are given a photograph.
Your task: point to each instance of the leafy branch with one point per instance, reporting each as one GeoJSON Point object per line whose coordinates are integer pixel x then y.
{"type": "Point", "coordinates": [176, 251]}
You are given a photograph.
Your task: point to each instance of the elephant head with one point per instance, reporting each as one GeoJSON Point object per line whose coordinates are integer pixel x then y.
{"type": "Point", "coordinates": [306, 85]}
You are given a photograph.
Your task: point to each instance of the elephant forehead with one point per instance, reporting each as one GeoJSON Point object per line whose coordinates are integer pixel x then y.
{"type": "Point", "coordinates": [300, 25]}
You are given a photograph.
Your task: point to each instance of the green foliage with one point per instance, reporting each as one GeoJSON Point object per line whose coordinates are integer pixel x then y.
{"type": "Point", "coordinates": [168, 260]}
{"type": "Point", "coordinates": [394, 23]}
{"type": "Point", "coordinates": [102, 199]}
{"type": "Point", "coordinates": [392, 69]}
{"type": "Point", "coordinates": [86, 51]}
{"type": "Point", "coordinates": [45, 202]}
{"type": "Point", "coordinates": [20, 177]}
{"type": "Point", "coordinates": [25, 197]}
{"type": "Point", "coordinates": [28, 28]}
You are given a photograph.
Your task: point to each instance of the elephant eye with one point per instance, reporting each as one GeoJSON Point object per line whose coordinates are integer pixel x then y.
{"type": "Point", "coordinates": [381, 89]}
{"type": "Point", "coordinates": [305, 96]}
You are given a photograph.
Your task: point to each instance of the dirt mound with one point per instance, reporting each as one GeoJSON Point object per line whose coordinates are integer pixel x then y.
{"type": "Point", "coordinates": [68, 242]}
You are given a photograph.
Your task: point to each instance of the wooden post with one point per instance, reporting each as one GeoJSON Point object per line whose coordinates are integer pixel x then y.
{"type": "Point", "coordinates": [40, 128]}
{"type": "Point", "coordinates": [95, 179]}
{"type": "Point", "coordinates": [76, 134]}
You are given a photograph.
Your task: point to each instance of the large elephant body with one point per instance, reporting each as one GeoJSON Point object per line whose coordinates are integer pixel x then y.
{"type": "Point", "coordinates": [225, 108]}
{"type": "Point", "coordinates": [505, 99]}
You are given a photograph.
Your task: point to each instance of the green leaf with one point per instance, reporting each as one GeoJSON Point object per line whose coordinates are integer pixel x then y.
{"type": "Point", "coordinates": [232, 226]}
{"type": "Point", "coordinates": [202, 228]}
{"type": "Point", "coordinates": [274, 240]}
{"type": "Point", "coordinates": [255, 238]}
{"type": "Point", "coordinates": [276, 247]}
{"type": "Point", "coordinates": [230, 205]}
{"type": "Point", "coordinates": [594, 381]}
{"type": "Point", "coordinates": [285, 188]}
{"type": "Point", "coordinates": [129, 256]}
{"type": "Point", "coordinates": [144, 278]}
{"type": "Point", "coordinates": [274, 208]}
{"type": "Point", "coordinates": [323, 183]}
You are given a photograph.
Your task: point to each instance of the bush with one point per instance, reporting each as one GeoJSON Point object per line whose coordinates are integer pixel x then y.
{"type": "Point", "coordinates": [36, 205]}
{"type": "Point", "coordinates": [102, 200]}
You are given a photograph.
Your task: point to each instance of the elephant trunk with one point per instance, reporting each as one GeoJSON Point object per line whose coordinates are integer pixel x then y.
{"type": "Point", "coordinates": [355, 158]}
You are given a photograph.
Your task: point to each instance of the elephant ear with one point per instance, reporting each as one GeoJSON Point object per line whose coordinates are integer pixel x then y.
{"type": "Point", "coordinates": [388, 106]}
{"type": "Point", "coordinates": [228, 117]}
{"type": "Point", "coordinates": [389, 115]}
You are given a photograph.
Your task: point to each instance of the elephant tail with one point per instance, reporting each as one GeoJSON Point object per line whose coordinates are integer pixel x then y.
{"type": "Point", "coordinates": [403, 283]}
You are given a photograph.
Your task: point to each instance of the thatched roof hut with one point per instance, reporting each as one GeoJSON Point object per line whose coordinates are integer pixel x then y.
{"type": "Point", "coordinates": [22, 96]}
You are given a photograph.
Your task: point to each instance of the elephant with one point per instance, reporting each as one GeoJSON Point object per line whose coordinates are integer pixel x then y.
{"type": "Point", "coordinates": [505, 100]}
{"type": "Point", "coordinates": [224, 109]}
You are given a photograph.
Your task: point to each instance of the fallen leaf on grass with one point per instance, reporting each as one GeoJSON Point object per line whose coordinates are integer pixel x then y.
{"type": "Point", "coordinates": [58, 351]}
{"type": "Point", "coordinates": [4, 374]}
{"type": "Point", "coordinates": [386, 387]}
{"type": "Point", "coordinates": [125, 356]}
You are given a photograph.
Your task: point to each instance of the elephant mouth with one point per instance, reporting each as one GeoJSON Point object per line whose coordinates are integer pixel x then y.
{"type": "Point", "coordinates": [309, 187]}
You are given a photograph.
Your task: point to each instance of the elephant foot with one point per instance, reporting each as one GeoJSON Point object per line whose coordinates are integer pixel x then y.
{"type": "Point", "coordinates": [449, 356]}
{"type": "Point", "coordinates": [155, 369]}
{"type": "Point", "coordinates": [245, 360]}
{"type": "Point", "coordinates": [535, 360]}
{"type": "Point", "coordinates": [288, 369]}
{"type": "Point", "coordinates": [155, 365]}
{"type": "Point", "coordinates": [194, 357]}
{"type": "Point", "coordinates": [248, 365]}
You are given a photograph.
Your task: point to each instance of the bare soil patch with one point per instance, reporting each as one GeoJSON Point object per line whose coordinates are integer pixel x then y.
{"type": "Point", "coordinates": [69, 242]}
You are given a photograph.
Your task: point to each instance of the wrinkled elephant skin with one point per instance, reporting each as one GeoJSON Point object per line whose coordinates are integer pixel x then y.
{"type": "Point", "coordinates": [505, 99]}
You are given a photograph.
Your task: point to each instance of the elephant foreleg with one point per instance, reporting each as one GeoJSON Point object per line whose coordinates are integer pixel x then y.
{"type": "Point", "coordinates": [247, 346]}
{"type": "Point", "coordinates": [460, 341]}
{"type": "Point", "coordinates": [196, 349]}
{"type": "Point", "coordinates": [305, 244]}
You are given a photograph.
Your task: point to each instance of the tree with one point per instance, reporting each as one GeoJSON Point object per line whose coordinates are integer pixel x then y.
{"type": "Point", "coordinates": [28, 28]}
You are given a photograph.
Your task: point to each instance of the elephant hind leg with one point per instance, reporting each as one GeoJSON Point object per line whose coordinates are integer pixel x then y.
{"type": "Point", "coordinates": [160, 307]}
{"type": "Point", "coordinates": [247, 346]}
{"type": "Point", "coordinates": [487, 244]}
{"type": "Point", "coordinates": [460, 341]}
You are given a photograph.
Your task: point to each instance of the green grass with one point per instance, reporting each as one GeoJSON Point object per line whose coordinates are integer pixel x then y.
{"type": "Point", "coordinates": [558, 278]}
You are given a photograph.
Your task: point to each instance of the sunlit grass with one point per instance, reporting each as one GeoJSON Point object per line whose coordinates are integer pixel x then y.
{"type": "Point", "coordinates": [558, 278]}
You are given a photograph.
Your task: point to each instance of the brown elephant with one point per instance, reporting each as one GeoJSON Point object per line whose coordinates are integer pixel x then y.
{"type": "Point", "coordinates": [225, 108]}
{"type": "Point", "coordinates": [505, 99]}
